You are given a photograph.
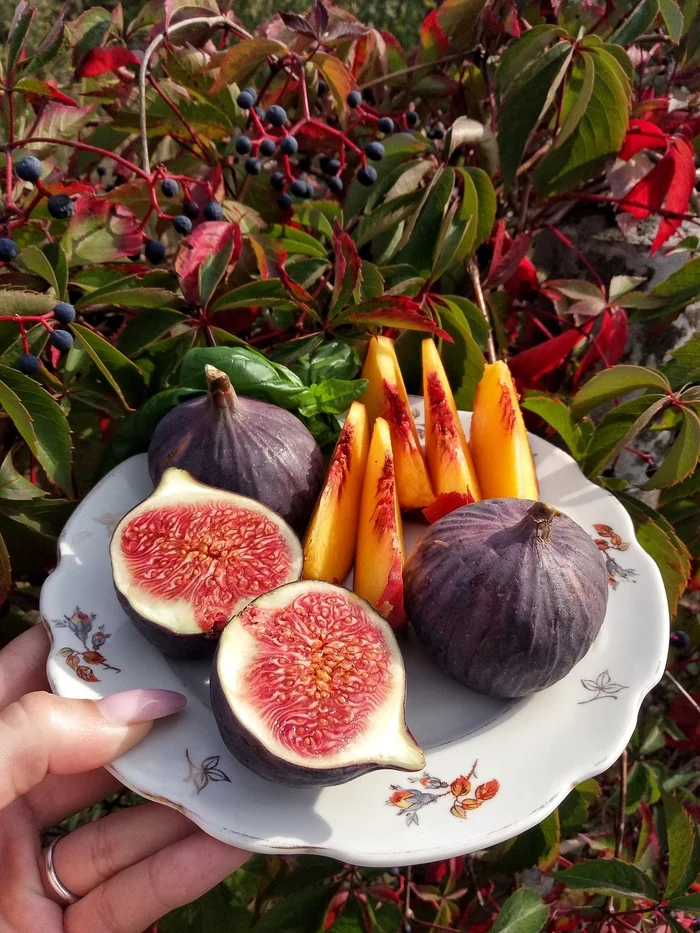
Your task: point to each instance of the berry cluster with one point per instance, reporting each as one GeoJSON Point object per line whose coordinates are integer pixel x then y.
{"type": "Point", "coordinates": [60, 339]}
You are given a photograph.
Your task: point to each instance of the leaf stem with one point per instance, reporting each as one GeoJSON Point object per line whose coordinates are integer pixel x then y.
{"type": "Point", "coordinates": [473, 270]}
{"type": "Point", "coordinates": [682, 690]}
{"type": "Point", "coordinates": [411, 68]}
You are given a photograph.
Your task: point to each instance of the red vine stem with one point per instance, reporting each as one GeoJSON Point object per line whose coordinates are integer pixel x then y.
{"type": "Point", "coordinates": [182, 118]}
{"type": "Point", "coordinates": [85, 147]}
{"type": "Point", "coordinates": [577, 252]}
{"type": "Point", "coordinates": [608, 199]}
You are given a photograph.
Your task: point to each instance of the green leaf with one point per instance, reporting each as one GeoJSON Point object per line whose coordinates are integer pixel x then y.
{"type": "Point", "coordinates": [639, 22]}
{"type": "Point", "coordinates": [263, 292]}
{"type": "Point", "coordinates": [538, 846]}
{"type": "Point", "coordinates": [332, 396]}
{"type": "Point", "coordinates": [608, 876]}
{"type": "Point", "coordinates": [15, 486]}
{"type": "Point", "coordinates": [124, 376]}
{"type": "Point", "coordinates": [143, 329]}
{"type": "Point", "coordinates": [557, 415]}
{"type": "Point", "coordinates": [520, 55]}
{"type": "Point", "coordinates": [486, 200]}
{"type": "Point", "coordinates": [527, 101]}
{"type": "Point", "coordinates": [684, 365]}
{"type": "Point", "coordinates": [133, 433]}
{"type": "Point", "coordinates": [683, 852]}
{"type": "Point", "coordinates": [682, 458]}
{"type": "Point", "coordinates": [35, 261]}
{"type": "Point", "coordinates": [463, 360]}
{"type": "Point", "coordinates": [465, 132]}
{"type": "Point", "coordinates": [15, 301]}
{"type": "Point", "coordinates": [371, 282]}
{"type": "Point", "coordinates": [689, 904]}
{"type": "Point", "coordinates": [130, 297]}
{"type": "Point", "coordinates": [618, 380]}
{"type": "Point", "coordinates": [422, 231]}
{"type": "Point", "coordinates": [41, 422]}
{"type": "Point", "coordinates": [673, 17]}
{"type": "Point", "coordinates": [240, 62]}
{"type": "Point", "coordinates": [617, 428]}
{"type": "Point", "coordinates": [338, 78]}
{"type": "Point", "coordinates": [19, 27]}
{"type": "Point", "coordinates": [299, 912]}
{"type": "Point", "coordinates": [476, 320]}
{"type": "Point", "coordinates": [249, 371]}
{"type": "Point", "coordinates": [595, 127]}
{"type": "Point", "coordinates": [659, 539]}
{"type": "Point", "coordinates": [522, 912]}
{"type": "Point", "coordinates": [5, 571]}
{"type": "Point", "coordinates": [385, 217]}
{"type": "Point", "coordinates": [453, 241]}
{"type": "Point", "coordinates": [334, 359]}
{"type": "Point", "coordinates": [674, 293]}
{"type": "Point", "coordinates": [212, 271]}
{"type": "Point", "coordinates": [297, 242]}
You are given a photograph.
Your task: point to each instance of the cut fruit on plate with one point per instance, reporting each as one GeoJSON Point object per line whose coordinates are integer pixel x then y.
{"type": "Point", "coordinates": [308, 688]}
{"type": "Point", "coordinates": [190, 556]}
{"type": "Point", "coordinates": [329, 545]}
{"type": "Point", "coordinates": [380, 552]}
{"type": "Point", "coordinates": [446, 449]}
{"type": "Point", "coordinates": [386, 397]}
{"type": "Point", "coordinates": [498, 439]}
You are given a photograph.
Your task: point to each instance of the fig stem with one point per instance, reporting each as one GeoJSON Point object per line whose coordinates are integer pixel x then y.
{"type": "Point", "coordinates": [221, 392]}
{"type": "Point", "coordinates": [542, 515]}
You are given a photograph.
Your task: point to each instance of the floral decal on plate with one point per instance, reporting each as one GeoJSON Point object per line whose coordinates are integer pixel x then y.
{"type": "Point", "coordinates": [201, 775]}
{"type": "Point", "coordinates": [410, 800]}
{"type": "Point", "coordinates": [81, 625]}
{"type": "Point", "coordinates": [602, 687]}
{"type": "Point", "coordinates": [609, 541]}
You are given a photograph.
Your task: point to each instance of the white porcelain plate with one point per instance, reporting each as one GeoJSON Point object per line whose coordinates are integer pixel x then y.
{"type": "Point", "coordinates": [521, 757]}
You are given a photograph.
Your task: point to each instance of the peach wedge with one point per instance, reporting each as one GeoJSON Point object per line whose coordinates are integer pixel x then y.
{"type": "Point", "coordinates": [498, 440]}
{"type": "Point", "coordinates": [329, 544]}
{"type": "Point", "coordinates": [386, 397]}
{"type": "Point", "coordinates": [446, 450]}
{"type": "Point", "coordinates": [380, 551]}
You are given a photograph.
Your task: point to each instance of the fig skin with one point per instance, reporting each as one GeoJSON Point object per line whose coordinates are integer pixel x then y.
{"type": "Point", "coordinates": [242, 445]}
{"type": "Point", "coordinates": [171, 644]}
{"type": "Point", "coordinates": [506, 595]}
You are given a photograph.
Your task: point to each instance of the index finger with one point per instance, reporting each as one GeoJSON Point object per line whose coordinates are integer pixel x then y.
{"type": "Point", "coordinates": [23, 665]}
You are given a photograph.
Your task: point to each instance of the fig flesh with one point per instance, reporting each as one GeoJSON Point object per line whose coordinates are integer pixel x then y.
{"type": "Point", "coordinates": [506, 595]}
{"type": "Point", "coordinates": [308, 688]}
{"type": "Point", "coordinates": [242, 445]}
{"type": "Point", "coordinates": [189, 557]}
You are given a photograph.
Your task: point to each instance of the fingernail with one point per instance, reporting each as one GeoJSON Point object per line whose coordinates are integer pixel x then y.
{"type": "Point", "coordinates": [134, 706]}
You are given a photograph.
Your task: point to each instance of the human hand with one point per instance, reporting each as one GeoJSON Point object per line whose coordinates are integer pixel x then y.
{"type": "Point", "coordinates": [127, 869]}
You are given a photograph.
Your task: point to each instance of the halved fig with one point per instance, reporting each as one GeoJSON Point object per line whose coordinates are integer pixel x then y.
{"type": "Point", "coordinates": [308, 688]}
{"type": "Point", "coordinates": [189, 557]}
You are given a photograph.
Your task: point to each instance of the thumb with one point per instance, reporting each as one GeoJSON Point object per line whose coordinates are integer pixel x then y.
{"type": "Point", "coordinates": [42, 734]}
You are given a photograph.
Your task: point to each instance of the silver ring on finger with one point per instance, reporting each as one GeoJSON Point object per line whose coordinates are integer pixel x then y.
{"type": "Point", "coordinates": [55, 882]}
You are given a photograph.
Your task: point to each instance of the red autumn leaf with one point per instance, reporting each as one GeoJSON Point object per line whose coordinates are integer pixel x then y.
{"type": "Point", "coordinates": [524, 281]}
{"type": "Point", "coordinates": [608, 344]}
{"type": "Point", "coordinates": [67, 186]}
{"type": "Point", "coordinates": [686, 718]}
{"type": "Point", "coordinates": [99, 61]}
{"type": "Point", "coordinates": [445, 503]}
{"type": "Point", "coordinates": [36, 90]}
{"type": "Point", "coordinates": [208, 238]}
{"type": "Point", "coordinates": [642, 135]}
{"type": "Point", "coordinates": [529, 366]}
{"type": "Point", "coordinates": [432, 35]}
{"type": "Point", "coordinates": [395, 311]}
{"type": "Point", "coordinates": [296, 292]}
{"type": "Point", "coordinates": [347, 266]}
{"type": "Point", "coordinates": [507, 255]}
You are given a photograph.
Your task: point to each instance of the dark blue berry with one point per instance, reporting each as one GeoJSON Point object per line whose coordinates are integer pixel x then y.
{"type": "Point", "coordinates": [333, 167]}
{"type": "Point", "coordinates": [253, 166]}
{"type": "Point", "coordinates": [28, 364]}
{"type": "Point", "coordinates": [354, 99]}
{"type": "Point", "coordinates": [411, 118]}
{"type": "Point", "coordinates": [322, 88]}
{"type": "Point", "coordinates": [277, 181]}
{"type": "Point", "coordinates": [289, 145]}
{"type": "Point", "coordinates": [367, 175]}
{"type": "Point", "coordinates": [60, 206]}
{"type": "Point", "coordinates": [62, 340]}
{"type": "Point", "coordinates": [213, 211]}
{"type": "Point", "coordinates": [323, 164]}
{"type": "Point", "coordinates": [680, 640]}
{"type": "Point", "coordinates": [101, 171]}
{"type": "Point", "coordinates": [29, 168]}
{"type": "Point", "coordinates": [169, 187]}
{"type": "Point", "coordinates": [250, 90]}
{"type": "Point", "coordinates": [243, 145]}
{"type": "Point", "coordinates": [368, 95]}
{"type": "Point", "coordinates": [284, 201]}
{"type": "Point", "coordinates": [260, 112]}
{"type": "Point", "coordinates": [182, 224]}
{"type": "Point", "coordinates": [436, 132]}
{"type": "Point", "coordinates": [267, 147]}
{"type": "Point", "coordinates": [155, 251]}
{"type": "Point", "coordinates": [276, 115]}
{"type": "Point", "coordinates": [309, 190]}
{"type": "Point", "coordinates": [8, 249]}
{"type": "Point", "coordinates": [305, 163]}
{"type": "Point", "coordinates": [245, 100]}
{"type": "Point", "coordinates": [386, 125]}
{"type": "Point", "coordinates": [374, 151]}
{"type": "Point", "coordinates": [191, 209]}
{"type": "Point", "coordinates": [298, 188]}
{"type": "Point", "coordinates": [135, 257]}
{"type": "Point", "coordinates": [335, 184]}
{"type": "Point", "coordinates": [64, 313]}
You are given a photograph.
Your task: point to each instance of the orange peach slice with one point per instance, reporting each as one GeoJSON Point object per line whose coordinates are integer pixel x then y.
{"type": "Point", "coordinates": [386, 397]}
{"type": "Point", "coordinates": [379, 558]}
{"type": "Point", "coordinates": [446, 450]}
{"type": "Point", "coordinates": [498, 440]}
{"type": "Point", "coordinates": [329, 544]}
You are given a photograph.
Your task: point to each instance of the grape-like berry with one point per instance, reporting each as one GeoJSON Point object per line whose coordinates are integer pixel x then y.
{"type": "Point", "coordinates": [64, 313]}
{"type": "Point", "coordinates": [354, 99]}
{"type": "Point", "coordinates": [267, 147]}
{"type": "Point", "coordinates": [62, 340]}
{"type": "Point", "coordinates": [155, 251]}
{"type": "Point", "coordinates": [386, 125]}
{"type": "Point", "coordinates": [298, 188]}
{"type": "Point", "coordinates": [436, 133]}
{"type": "Point", "coordinates": [60, 206]}
{"type": "Point", "coordinates": [253, 166]}
{"type": "Point", "coordinates": [289, 146]}
{"type": "Point", "coordinates": [29, 168]}
{"type": "Point", "coordinates": [680, 640]}
{"type": "Point", "coordinates": [243, 145]}
{"type": "Point", "coordinates": [8, 249]}
{"type": "Point", "coordinates": [374, 151]}
{"type": "Point", "coordinates": [284, 201]}
{"type": "Point", "coordinates": [245, 100]}
{"type": "Point", "coordinates": [213, 211]}
{"type": "Point", "coordinates": [169, 187]}
{"type": "Point", "coordinates": [322, 88]}
{"type": "Point", "coordinates": [276, 115]}
{"type": "Point", "coordinates": [333, 167]}
{"type": "Point", "coordinates": [182, 224]}
{"type": "Point", "coordinates": [101, 171]}
{"type": "Point", "coordinates": [335, 184]}
{"type": "Point", "coordinates": [367, 176]}
{"type": "Point", "coordinates": [190, 209]}
{"type": "Point", "coordinates": [277, 181]}
{"type": "Point", "coordinates": [411, 118]}
{"type": "Point", "coordinates": [28, 364]}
